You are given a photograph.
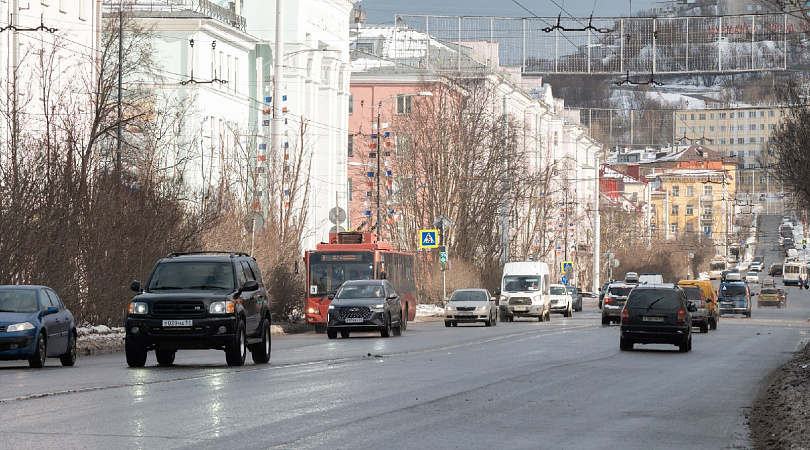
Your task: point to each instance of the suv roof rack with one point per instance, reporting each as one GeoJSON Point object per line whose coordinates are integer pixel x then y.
{"type": "Point", "coordinates": [207, 252]}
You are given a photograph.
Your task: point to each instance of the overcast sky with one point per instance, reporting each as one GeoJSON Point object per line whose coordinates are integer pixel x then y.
{"type": "Point", "coordinates": [383, 11]}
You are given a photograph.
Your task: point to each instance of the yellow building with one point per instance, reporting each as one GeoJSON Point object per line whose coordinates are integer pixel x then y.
{"type": "Point", "coordinates": [697, 202]}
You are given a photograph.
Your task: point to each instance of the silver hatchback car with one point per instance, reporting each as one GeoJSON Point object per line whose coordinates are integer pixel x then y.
{"type": "Point", "coordinates": [471, 306]}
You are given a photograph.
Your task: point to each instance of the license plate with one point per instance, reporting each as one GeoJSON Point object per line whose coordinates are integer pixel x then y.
{"type": "Point", "coordinates": [176, 323]}
{"type": "Point", "coordinates": [521, 308]}
{"type": "Point", "coordinates": [652, 319]}
{"type": "Point", "coordinates": [354, 320]}
{"type": "Point", "coordinates": [465, 314]}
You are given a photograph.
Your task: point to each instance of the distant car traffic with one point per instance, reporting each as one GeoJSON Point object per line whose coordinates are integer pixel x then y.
{"type": "Point", "coordinates": [471, 306]}
{"type": "Point", "coordinates": [656, 314]}
{"type": "Point", "coordinates": [561, 301]}
{"type": "Point", "coordinates": [712, 305]}
{"type": "Point", "coordinates": [769, 297]}
{"type": "Point", "coordinates": [696, 298]}
{"type": "Point", "coordinates": [35, 325]}
{"type": "Point", "coordinates": [775, 270]}
{"type": "Point", "coordinates": [752, 277]}
{"type": "Point", "coordinates": [735, 298]}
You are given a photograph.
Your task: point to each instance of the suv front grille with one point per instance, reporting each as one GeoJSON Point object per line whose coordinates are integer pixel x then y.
{"type": "Point", "coordinates": [3, 329]}
{"type": "Point", "coordinates": [354, 312]}
{"type": "Point", "coordinates": [174, 308]}
{"type": "Point", "coordinates": [520, 301]}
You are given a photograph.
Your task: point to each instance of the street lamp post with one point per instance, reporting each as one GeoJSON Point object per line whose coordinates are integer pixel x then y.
{"type": "Point", "coordinates": [379, 149]}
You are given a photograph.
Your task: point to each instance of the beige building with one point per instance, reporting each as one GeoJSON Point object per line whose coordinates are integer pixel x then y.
{"type": "Point", "coordinates": [694, 202]}
{"type": "Point", "coordinates": [740, 133]}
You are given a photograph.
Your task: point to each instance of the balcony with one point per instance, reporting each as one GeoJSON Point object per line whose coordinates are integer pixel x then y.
{"type": "Point", "coordinates": [707, 217]}
{"type": "Point", "coordinates": [706, 197]}
{"type": "Point", "coordinates": [176, 8]}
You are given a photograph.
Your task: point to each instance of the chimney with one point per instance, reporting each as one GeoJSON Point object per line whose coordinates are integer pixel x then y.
{"type": "Point", "coordinates": [358, 16]}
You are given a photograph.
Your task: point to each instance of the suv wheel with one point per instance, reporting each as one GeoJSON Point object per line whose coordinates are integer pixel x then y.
{"type": "Point", "coordinates": [69, 357]}
{"type": "Point", "coordinates": [165, 357]}
{"type": "Point", "coordinates": [625, 344]}
{"type": "Point", "coordinates": [447, 324]}
{"type": "Point", "coordinates": [261, 351]}
{"type": "Point", "coordinates": [605, 320]}
{"type": "Point", "coordinates": [37, 360]}
{"type": "Point", "coordinates": [385, 332]}
{"type": "Point", "coordinates": [704, 327]}
{"type": "Point", "coordinates": [684, 346]}
{"type": "Point", "coordinates": [331, 334]}
{"type": "Point", "coordinates": [236, 351]}
{"type": "Point", "coordinates": [136, 354]}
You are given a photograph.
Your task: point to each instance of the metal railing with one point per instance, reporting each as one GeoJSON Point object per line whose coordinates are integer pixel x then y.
{"type": "Point", "coordinates": [157, 8]}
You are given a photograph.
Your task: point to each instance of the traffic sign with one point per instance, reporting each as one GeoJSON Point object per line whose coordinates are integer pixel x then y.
{"type": "Point", "coordinates": [564, 280]}
{"type": "Point", "coordinates": [566, 266]}
{"type": "Point", "coordinates": [443, 257]}
{"type": "Point", "coordinates": [427, 238]}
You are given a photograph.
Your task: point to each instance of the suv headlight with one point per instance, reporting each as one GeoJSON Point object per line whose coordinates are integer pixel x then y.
{"type": "Point", "coordinates": [20, 327]}
{"type": "Point", "coordinates": [221, 307]}
{"type": "Point", "coordinates": [378, 308]}
{"type": "Point", "coordinates": [138, 308]}
{"type": "Point", "coordinates": [538, 299]}
{"type": "Point", "coordinates": [503, 298]}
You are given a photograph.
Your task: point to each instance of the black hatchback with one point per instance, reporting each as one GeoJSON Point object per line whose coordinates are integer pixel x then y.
{"type": "Point", "coordinates": [657, 314]}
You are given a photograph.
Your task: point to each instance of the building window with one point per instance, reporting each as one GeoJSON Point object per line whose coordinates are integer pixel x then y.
{"type": "Point", "coordinates": [691, 116]}
{"type": "Point", "coordinates": [722, 128]}
{"type": "Point", "coordinates": [674, 210]}
{"type": "Point", "coordinates": [702, 116]}
{"type": "Point", "coordinates": [722, 115]}
{"type": "Point", "coordinates": [707, 189]}
{"type": "Point", "coordinates": [711, 128]}
{"type": "Point", "coordinates": [752, 113]}
{"type": "Point", "coordinates": [740, 114]}
{"type": "Point", "coordinates": [690, 209]}
{"type": "Point", "coordinates": [690, 191]}
{"type": "Point", "coordinates": [770, 114]}
{"type": "Point", "coordinates": [741, 140]}
{"type": "Point", "coordinates": [673, 228]}
{"type": "Point", "coordinates": [701, 129]}
{"type": "Point", "coordinates": [722, 141]}
{"type": "Point", "coordinates": [739, 128]}
{"type": "Point", "coordinates": [404, 104]}
{"type": "Point", "coordinates": [762, 140]}
{"type": "Point", "coordinates": [350, 152]}
{"type": "Point", "coordinates": [690, 227]}
{"type": "Point", "coordinates": [752, 127]}
{"type": "Point", "coordinates": [351, 103]}
{"type": "Point", "coordinates": [711, 116]}
{"type": "Point", "coordinates": [771, 126]}
{"type": "Point", "coordinates": [762, 114]}
{"type": "Point", "coordinates": [675, 191]}
{"type": "Point", "coordinates": [707, 230]}
{"type": "Point", "coordinates": [752, 140]}
{"type": "Point", "coordinates": [683, 116]}
{"type": "Point", "coordinates": [762, 126]}
{"type": "Point", "coordinates": [682, 130]}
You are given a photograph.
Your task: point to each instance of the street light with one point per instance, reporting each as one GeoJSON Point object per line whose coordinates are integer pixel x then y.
{"type": "Point", "coordinates": [379, 147]}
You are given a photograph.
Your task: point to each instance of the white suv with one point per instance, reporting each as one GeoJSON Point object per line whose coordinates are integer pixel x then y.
{"type": "Point", "coordinates": [561, 301]}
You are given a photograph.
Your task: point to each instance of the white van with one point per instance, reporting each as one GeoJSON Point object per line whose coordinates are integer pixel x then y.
{"type": "Point", "coordinates": [525, 291]}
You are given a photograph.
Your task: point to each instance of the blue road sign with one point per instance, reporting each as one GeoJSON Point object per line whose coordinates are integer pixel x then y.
{"type": "Point", "coordinates": [564, 280]}
{"type": "Point", "coordinates": [428, 238]}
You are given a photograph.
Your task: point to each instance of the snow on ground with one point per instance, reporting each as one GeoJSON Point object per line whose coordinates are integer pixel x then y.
{"type": "Point", "coordinates": [429, 311]}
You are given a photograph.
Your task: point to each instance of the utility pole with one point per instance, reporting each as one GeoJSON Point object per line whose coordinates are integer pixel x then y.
{"type": "Point", "coordinates": [379, 156]}
{"type": "Point", "coordinates": [597, 228]}
{"type": "Point", "coordinates": [120, 84]}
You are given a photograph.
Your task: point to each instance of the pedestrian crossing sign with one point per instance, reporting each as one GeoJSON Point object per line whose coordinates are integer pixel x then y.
{"type": "Point", "coordinates": [428, 238]}
{"type": "Point", "coordinates": [566, 266]}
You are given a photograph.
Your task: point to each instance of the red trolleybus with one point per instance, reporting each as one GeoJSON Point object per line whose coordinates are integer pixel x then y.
{"type": "Point", "coordinates": [355, 256]}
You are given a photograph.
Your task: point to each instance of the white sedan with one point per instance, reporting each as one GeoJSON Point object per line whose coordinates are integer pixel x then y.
{"type": "Point", "coordinates": [752, 277]}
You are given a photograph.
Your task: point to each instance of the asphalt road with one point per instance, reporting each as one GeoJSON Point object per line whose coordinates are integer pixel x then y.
{"type": "Point", "coordinates": [561, 384]}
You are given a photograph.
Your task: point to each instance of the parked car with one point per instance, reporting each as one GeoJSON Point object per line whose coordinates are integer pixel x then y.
{"type": "Point", "coordinates": [200, 300]}
{"type": "Point", "coordinates": [769, 297]}
{"type": "Point", "coordinates": [775, 270]}
{"type": "Point", "coordinates": [712, 305]}
{"type": "Point", "coordinates": [696, 297]}
{"type": "Point", "coordinates": [656, 314]}
{"type": "Point", "coordinates": [561, 301]}
{"type": "Point", "coordinates": [614, 301]}
{"type": "Point", "coordinates": [364, 305]}
{"type": "Point", "coordinates": [35, 325]}
{"type": "Point", "coordinates": [576, 296]}
{"type": "Point", "coordinates": [752, 277]}
{"type": "Point", "coordinates": [471, 306]}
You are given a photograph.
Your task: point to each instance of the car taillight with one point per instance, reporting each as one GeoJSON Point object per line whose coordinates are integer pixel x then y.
{"type": "Point", "coordinates": [608, 300]}
{"type": "Point", "coordinates": [681, 316]}
{"type": "Point", "coordinates": [625, 315]}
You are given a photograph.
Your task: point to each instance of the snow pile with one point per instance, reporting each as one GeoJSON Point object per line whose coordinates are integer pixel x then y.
{"type": "Point", "coordinates": [99, 340]}
{"type": "Point", "coordinates": [429, 311]}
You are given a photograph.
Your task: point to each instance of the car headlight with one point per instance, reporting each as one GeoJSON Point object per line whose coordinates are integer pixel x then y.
{"type": "Point", "coordinates": [450, 308]}
{"type": "Point", "coordinates": [331, 307]}
{"type": "Point", "coordinates": [538, 299]}
{"type": "Point", "coordinates": [503, 298]}
{"type": "Point", "coordinates": [222, 307]}
{"type": "Point", "coordinates": [20, 327]}
{"type": "Point", "coordinates": [482, 308]}
{"type": "Point", "coordinates": [138, 308]}
{"type": "Point", "coordinates": [313, 311]}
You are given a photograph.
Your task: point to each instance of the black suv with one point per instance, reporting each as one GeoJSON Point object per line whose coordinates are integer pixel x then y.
{"type": "Point", "coordinates": [200, 300]}
{"type": "Point", "coordinates": [657, 314]}
{"type": "Point", "coordinates": [365, 305]}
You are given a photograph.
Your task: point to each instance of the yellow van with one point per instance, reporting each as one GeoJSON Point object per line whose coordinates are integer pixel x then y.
{"type": "Point", "coordinates": [711, 299]}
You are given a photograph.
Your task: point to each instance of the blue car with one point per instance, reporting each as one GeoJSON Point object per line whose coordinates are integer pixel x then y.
{"type": "Point", "coordinates": [35, 325]}
{"type": "Point", "coordinates": [734, 298]}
